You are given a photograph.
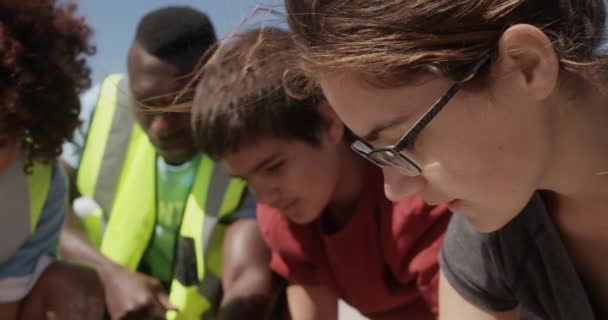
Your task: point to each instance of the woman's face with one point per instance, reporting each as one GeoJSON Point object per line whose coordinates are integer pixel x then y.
{"type": "Point", "coordinates": [483, 154]}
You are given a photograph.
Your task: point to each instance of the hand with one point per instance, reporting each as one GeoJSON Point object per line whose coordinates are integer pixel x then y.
{"type": "Point", "coordinates": [133, 295]}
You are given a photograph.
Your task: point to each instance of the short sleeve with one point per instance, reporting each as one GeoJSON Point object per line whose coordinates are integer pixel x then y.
{"type": "Point", "coordinates": [468, 262]}
{"type": "Point", "coordinates": [289, 245]}
{"type": "Point", "coordinates": [247, 208]}
{"type": "Point", "coordinates": [72, 150]}
{"type": "Point", "coordinates": [20, 272]}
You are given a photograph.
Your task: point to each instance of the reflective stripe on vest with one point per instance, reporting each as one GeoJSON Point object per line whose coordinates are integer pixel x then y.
{"type": "Point", "coordinates": [133, 209]}
{"type": "Point", "coordinates": [98, 176]}
{"type": "Point", "coordinates": [198, 275]}
{"type": "Point", "coordinates": [23, 198]}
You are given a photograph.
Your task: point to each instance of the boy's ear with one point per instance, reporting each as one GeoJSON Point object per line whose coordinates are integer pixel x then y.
{"type": "Point", "coordinates": [333, 126]}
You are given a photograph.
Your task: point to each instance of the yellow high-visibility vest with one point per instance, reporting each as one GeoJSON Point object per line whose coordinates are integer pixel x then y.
{"type": "Point", "coordinates": [118, 170]}
{"type": "Point", "coordinates": [38, 182]}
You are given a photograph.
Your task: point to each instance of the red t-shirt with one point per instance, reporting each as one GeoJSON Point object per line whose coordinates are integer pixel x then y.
{"type": "Point", "coordinates": [383, 262]}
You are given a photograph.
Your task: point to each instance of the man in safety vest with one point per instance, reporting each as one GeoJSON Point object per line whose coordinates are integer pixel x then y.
{"type": "Point", "coordinates": [154, 215]}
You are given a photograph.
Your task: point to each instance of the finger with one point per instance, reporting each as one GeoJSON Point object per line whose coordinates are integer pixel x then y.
{"type": "Point", "coordinates": [138, 314]}
{"type": "Point", "coordinates": [156, 312]}
{"type": "Point", "coordinates": [154, 283]}
{"type": "Point", "coordinates": [163, 301]}
{"type": "Point", "coordinates": [50, 315]}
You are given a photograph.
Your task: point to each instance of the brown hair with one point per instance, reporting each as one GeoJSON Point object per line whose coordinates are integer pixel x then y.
{"type": "Point", "coordinates": [42, 71]}
{"type": "Point", "coordinates": [240, 97]}
{"type": "Point", "coordinates": [388, 41]}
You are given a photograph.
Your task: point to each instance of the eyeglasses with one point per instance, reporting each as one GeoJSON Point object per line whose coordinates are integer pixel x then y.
{"type": "Point", "coordinates": [396, 156]}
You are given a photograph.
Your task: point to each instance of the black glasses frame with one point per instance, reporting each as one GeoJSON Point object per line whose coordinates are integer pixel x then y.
{"type": "Point", "coordinates": [398, 159]}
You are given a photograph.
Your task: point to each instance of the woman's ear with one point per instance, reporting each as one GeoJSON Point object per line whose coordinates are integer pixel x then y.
{"type": "Point", "coordinates": [333, 127]}
{"type": "Point", "coordinates": [527, 51]}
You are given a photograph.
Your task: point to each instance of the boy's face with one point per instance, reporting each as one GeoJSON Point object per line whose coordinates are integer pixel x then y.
{"type": "Point", "coordinates": [293, 176]}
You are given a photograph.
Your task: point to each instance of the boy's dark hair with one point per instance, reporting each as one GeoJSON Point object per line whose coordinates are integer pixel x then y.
{"type": "Point", "coordinates": [177, 35]}
{"type": "Point", "coordinates": [241, 98]}
{"type": "Point", "coordinates": [43, 46]}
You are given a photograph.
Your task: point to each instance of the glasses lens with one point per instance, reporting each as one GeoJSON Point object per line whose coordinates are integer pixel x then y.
{"type": "Point", "coordinates": [389, 158]}
{"type": "Point", "coordinates": [362, 149]}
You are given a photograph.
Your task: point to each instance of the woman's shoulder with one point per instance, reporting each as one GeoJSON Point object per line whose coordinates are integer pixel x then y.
{"type": "Point", "coordinates": [484, 266]}
{"type": "Point", "coordinates": [506, 245]}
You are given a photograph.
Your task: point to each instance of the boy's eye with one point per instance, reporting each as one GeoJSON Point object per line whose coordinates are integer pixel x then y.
{"type": "Point", "coordinates": [275, 167]}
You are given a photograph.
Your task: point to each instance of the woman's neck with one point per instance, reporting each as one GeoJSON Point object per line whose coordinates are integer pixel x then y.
{"type": "Point", "coordinates": [578, 169]}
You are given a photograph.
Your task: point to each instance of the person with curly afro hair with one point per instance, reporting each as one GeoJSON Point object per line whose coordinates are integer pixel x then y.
{"type": "Point", "coordinates": [43, 69]}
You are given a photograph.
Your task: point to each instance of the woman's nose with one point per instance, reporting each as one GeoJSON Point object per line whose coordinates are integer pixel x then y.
{"type": "Point", "coordinates": [398, 186]}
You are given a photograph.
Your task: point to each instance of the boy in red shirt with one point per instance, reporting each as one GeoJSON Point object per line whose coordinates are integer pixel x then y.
{"type": "Point", "coordinates": [321, 208]}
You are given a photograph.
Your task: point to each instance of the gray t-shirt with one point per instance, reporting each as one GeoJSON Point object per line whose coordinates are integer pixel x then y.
{"type": "Point", "coordinates": [20, 271]}
{"type": "Point", "coordinates": [524, 263]}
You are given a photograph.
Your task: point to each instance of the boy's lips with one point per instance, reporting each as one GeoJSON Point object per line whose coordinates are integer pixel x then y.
{"type": "Point", "coordinates": [286, 205]}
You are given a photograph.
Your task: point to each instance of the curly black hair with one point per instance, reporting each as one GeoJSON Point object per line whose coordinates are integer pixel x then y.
{"type": "Point", "coordinates": [43, 69]}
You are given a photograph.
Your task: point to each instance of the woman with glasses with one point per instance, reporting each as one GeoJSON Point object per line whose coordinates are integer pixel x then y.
{"type": "Point", "coordinates": [497, 108]}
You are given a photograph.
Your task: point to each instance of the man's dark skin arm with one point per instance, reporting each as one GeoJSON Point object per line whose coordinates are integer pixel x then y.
{"type": "Point", "coordinates": [250, 287]}
{"type": "Point", "coordinates": [125, 291]}
{"type": "Point", "coordinates": [74, 243]}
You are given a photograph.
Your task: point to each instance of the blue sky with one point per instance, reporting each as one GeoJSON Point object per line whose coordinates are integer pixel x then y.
{"type": "Point", "coordinates": [114, 22]}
